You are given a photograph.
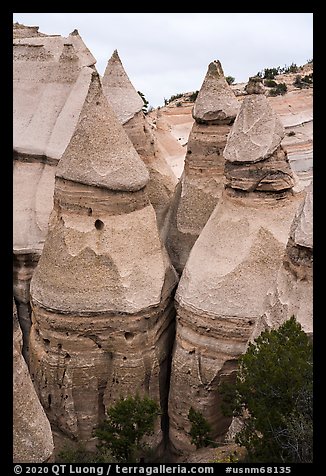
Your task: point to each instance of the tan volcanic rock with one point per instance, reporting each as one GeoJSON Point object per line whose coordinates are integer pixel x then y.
{"type": "Point", "coordinates": [295, 110]}
{"type": "Point", "coordinates": [101, 294]}
{"type": "Point", "coordinates": [221, 293]}
{"type": "Point", "coordinates": [216, 100]}
{"type": "Point", "coordinates": [293, 292]}
{"type": "Point", "coordinates": [202, 181]}
{"type": "Point", "coordinates": [127, 105]}
{"type": "Point", "coordinates": [118, 88]}
{"type": "Point", "coordinates": [172, 125]}
{"type": "Point", "coordinates": [51, 79]}
{"type": "Point", "coordinates": [32, 437]}
{"type": "Point", "coordinates": [257, 131]}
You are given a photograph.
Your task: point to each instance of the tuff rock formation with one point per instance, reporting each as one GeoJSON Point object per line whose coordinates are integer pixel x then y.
{"type": "Point", "coordinates": [127, 105]}
{"type": "Point", "coordinates": [230, 269]}
{"type": "Point", "coordinates": [293, 292]}
{"type": "Point", "coordinates": [102, 314]}
{"type": "Point", "coordinates": [202, 181]}
{"type": "Point", "coordinates": [32, 437]}
{"type": "Point", "coordinates": [51, 77]}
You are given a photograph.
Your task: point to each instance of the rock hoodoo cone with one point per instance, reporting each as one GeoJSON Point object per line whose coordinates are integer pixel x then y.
{"type": "Point", "coordinates": [127, 105]}
{"type": "Point", "coordinates": [101, 294]}
{"type": "Point", "coordinates": [32, 437]}
{"type": "Point", "coordinates": [202, 181]}
{"type": "Point", "coordinates": [293, 291]}
{"type": "Point", "coordinates": [230, 269]}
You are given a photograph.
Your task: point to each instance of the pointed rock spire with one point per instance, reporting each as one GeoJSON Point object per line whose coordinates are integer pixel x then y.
{"type": "Point", "coordinates": [293, 291]}
{"type": "Point", "coordinates": [202, 181]}
{"type": "Point", "coordinates": [104, 282]}
{"type": "Point", "coordinates": [124, 98]}
{"type": "Point", "coordinates": [100, 152]}
{"type": "Point", "coordinates": [216, 100]}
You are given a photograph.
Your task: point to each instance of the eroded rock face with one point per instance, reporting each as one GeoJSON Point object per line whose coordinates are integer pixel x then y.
{"type": "Point", "coordinates": [51, 79]}
{"type": "Point", "coordinates": [216, 100]}
{"type": "Point", "coordinates": [101, 294]}
{"type": "Point", "coordinates": [202, 181]}
{"type": "Point", "coordinates": [293, 291]}
{"type": "Point", "coordinates": [223, 287]}
{"type": "Point", "coordinates": [32, 437]}
{"type": "Point", "coordinates": [127, 105]}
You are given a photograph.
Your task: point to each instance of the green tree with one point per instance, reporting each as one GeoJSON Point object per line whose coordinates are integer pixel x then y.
{"type": "Point", "coordinates": [273, 394]}
{"type": "Point", "coordinates": [145, 106]}
{"type": "Point", "coordinates": [200, 429]}
{"type": "Point", "coordinates": [127, 422]}
{"type": "Point", "coordinates": [229, 79]}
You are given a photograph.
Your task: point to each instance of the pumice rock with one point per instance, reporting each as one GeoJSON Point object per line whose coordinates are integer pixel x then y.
{"type": "Point", "coordinates": [32, 437]}
{"type": "Point", "coordinates": [202, 181]}
{"type": "Point", "coordinates": [102, 312]}
{"type": "Point", "coordinates": [51, 78]}
{"type": "Point", "coordinates": [293, 291]}
{"type": "Point", "coordinates": [255, 85]}
{"type": "Point", "coordinates": [127, 105]}
{"type": "Point", "coordinates": [230, 269]}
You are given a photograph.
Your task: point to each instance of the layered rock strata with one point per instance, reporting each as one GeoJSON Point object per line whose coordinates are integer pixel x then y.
{"type": "Point", "coordinates": [230, 269]}
{"type": "Point", "coordinates": [103, 318]}
{"type": "Point", "coordinates": [293, 292]}
{"type": "Point", "coordinates": [32, 437]}
{"type": "Point", "coordinates": [51, 77]}
{"type": "Point", "coordinates": [202, 181]}
{"type": "Point", "coordinates": [127, 104]}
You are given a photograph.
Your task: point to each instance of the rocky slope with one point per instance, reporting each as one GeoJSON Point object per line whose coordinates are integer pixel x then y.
{"type": "Point", "coordinates": [101, 294]}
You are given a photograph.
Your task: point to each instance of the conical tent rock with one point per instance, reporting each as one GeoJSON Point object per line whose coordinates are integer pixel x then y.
{"type": "Point", "coordinates": [293, 291]}
{"type": "Point", "coordinates": [125, 100]}
{"type": "Point", "coordinates": [202, 181]}
{"type": "Point", "coordinates": [100, 152]}
{"type": "Point", "coordinates": [51, 77]}
{"type": "Point", "coordinates": [32, 436]}
{"type": "Point", "coordinates": [127, 105]}
{"type": "Point", "coordinates": [255, 159]}
{"type": "Point", "coordinates": [101, 294]}
{"type": "Point", "coordinates": [223, 287]}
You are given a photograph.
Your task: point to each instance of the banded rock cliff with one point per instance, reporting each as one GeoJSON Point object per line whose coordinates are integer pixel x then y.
{"type": "Point", "coordinates": [202, 181]}
{"type": "Point", "coordinates": [127, 104]}
{"type": "Point", "coordinates": [103, 317]}
{"type": "Point", "coordinates": [32, 437]}
{"type": "Point", "coordinates": [51, 77]}
{"type": "Point", "coordinates": [230, 269]}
